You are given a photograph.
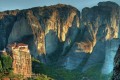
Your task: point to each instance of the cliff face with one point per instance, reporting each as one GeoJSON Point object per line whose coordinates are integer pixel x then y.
{"type": "Point", "coordinates": [42, 28]}
{"type": "Point", "coordinates": [61, 32]}
{"type": "Point", "coordinates": [7, 20]}
{"type": "Point", "coordinates": [104, 22]}
{"type": "Point", "coordinates": [100, 28]}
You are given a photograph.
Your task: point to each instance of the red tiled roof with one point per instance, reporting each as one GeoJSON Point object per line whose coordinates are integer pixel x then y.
{"type": "Point", "coordinates": [17, 45]}
{"type": "Point", "coordinates": [21, 44]}
{"type": "Point", "coordinates": [12, 45]}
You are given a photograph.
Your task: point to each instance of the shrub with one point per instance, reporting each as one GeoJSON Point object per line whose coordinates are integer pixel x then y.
{"type": "Point", "coordinates": [6, 63]}
{"type": "Point", "coordinates": [38, 67]}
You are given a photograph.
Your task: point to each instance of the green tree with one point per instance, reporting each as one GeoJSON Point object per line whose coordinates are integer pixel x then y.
{"type": "Point", "coordinates": [6, 63]}
{"type": "Point", "coordinates": [38, 67]}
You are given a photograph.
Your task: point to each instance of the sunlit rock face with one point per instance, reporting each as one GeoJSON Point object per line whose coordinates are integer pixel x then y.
{"type": "Point", "coordinates": [42, 28]}
{"type": "Point", "coordinates": [104, 20]}
{"type": "Point", "coordinates": [99, 23]}
{"type": "Point", "coordinates": [116, 70]}
{"type": "Point", "coordinates": [99, 28]}
{"type": "Point", "coordinates": [24, 26]}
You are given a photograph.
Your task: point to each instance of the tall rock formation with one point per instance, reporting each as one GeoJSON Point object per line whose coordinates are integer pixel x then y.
{"type": "Point", "coordinates": [104, 20]}
{"type": "Point", "coordinates": [42, 28]}
{"type": "Point", "coordinates": [100, 30]}
{"type": "Point", "coordinates": [60, 32]}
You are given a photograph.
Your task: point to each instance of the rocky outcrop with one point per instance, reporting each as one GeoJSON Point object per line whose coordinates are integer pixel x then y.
{"type": "Point", "coordinates": [102, 22]}
{"type": "Point", "coordinates": [61, 32]}
{"type": "Point", "coordinates": [103, 53]}
{"type": "Point", "coordinates": [100, 28]}
{"type": "Point", "coordinates": [45, 26]}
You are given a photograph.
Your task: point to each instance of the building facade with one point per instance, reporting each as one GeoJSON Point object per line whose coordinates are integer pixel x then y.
{"type": "Point", "coordinates": [21, 59]}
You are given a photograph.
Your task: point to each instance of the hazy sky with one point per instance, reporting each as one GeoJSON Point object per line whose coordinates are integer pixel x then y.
{"type": "Point", "coordinates": [24, 4]}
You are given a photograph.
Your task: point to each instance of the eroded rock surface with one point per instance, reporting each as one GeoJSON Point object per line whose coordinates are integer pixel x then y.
{"type": "Point", "coordinates": [61, 32]}
{"type": "Point", "coordinates": [100, 28]}
{"type": "Point", "coordinates": [42, 28]}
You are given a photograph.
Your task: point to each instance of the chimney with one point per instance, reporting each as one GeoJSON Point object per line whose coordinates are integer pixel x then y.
{"type": "Point", "coordinates": [15, 44]}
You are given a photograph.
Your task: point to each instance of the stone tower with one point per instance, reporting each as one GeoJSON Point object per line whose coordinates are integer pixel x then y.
{"type": "Point", "coordinates": [21, 59]}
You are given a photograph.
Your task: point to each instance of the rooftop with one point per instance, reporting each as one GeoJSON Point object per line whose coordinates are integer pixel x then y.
{"type": "Point", "coordinates": [17, 45]}
{"type": "Point", "coordinates": [21, 44]}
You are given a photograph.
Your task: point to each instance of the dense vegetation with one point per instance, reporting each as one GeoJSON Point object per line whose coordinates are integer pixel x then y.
{"type": "Point", "coordinates": [6, 70]}
{"type": "Point", "coordinates": [38, 67]}
{"type": "Point", "coordinates": [40, 77]}
{"type": "Point", "coordinates": [6, 67]}
{"type": "Point", "coordinates": [40, 70]}
{"type": "Point", "coordinates": [5, 64]}
{"type": "Point", "coordinates": [44, 72]}
{"type": "Point", "coordinates": [59, 73]}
